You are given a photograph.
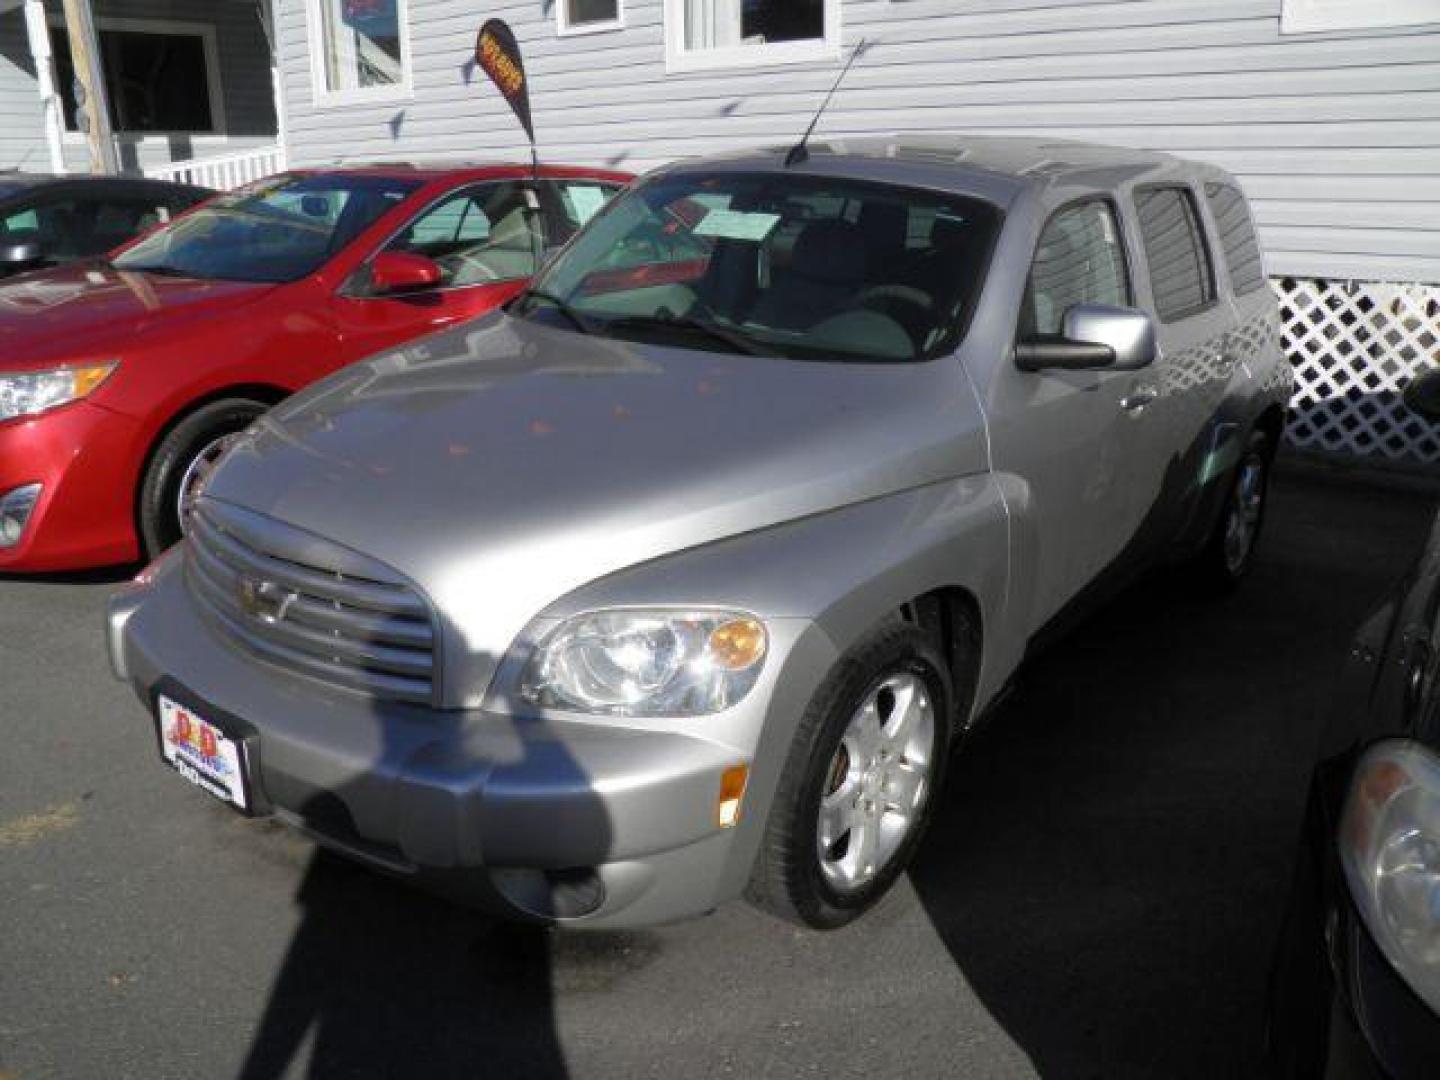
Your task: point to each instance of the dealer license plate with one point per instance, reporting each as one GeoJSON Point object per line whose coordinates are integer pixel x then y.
{"type": "Point", "coordinates": [202, 753]}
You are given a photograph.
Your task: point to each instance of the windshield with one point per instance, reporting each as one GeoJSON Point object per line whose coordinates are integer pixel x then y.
{"type": "Point", "coordinates": [800, 266]}
{"type": "Point", "coordinates": [277, 231]}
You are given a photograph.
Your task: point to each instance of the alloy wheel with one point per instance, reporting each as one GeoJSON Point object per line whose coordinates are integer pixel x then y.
{"type": "Point", "coordinates": [197, 474]}
{"type": "Point", "coordinates": [1247, 502]}
{"type": "Point", "coordinates": [877, 782]}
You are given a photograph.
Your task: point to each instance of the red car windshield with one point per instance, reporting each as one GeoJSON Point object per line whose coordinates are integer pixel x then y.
{"type": "Point", "coordinates": [277, 231]}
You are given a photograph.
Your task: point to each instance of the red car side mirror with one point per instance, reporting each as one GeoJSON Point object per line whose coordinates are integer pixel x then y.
{"type": "Point", "coordinates": [401, 271]}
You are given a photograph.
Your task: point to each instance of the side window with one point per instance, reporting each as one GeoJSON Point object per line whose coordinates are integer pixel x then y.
{"type": "Point", "coordinates": [481, 234]}
{"type": "Point", "coordinates": [21, 221]}
{"type": "Point", "coordinates": [1180, 274]}
{"type": "Point", "coordinates": [59, 225]}
{"type": "Point", "coordinates": [1237, 237]}
{"type": "Point", "coordinates": [579, 201]}
{"type": "Point", "coordinates": [113, 221]}
{"type": "Point", "coordinates": [1080, 260]}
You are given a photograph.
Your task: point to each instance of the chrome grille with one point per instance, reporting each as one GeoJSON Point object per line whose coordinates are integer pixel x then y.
{"type": "Point", "coordinates": [304, 604]}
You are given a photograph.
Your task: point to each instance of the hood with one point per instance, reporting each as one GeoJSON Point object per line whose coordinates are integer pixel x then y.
{"type": "Point", "coordinates": [504, 464]}
{"type": "Point", "coordinates": [90, 311]}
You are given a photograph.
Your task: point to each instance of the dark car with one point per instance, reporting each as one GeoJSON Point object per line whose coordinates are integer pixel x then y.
{"type": "Point", "coordinates": [48, 220]}
{"type": "Point", "coordinates": [1356, 986]}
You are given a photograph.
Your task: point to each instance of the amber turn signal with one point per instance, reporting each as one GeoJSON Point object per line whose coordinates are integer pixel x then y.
{"type": "Point", "coordinates": [738, 644]}
{"type": "Point", "coordinates": [732, 790]}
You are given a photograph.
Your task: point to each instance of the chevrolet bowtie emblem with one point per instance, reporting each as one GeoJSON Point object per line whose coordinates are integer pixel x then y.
{"type": "Point", "coordinates": [264, 600]}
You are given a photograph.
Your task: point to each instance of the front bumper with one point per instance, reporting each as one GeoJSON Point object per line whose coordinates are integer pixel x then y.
{"type": "Point", "coordinates": [537, 819]}
{"type": "Point", "coordinates": [83, 456]}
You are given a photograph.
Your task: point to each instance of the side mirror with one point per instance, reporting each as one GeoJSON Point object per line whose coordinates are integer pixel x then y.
{"type": "Point", "coordinates": [20, 249]}
{"type": "Point", "coordinates": [1093, 336]}
{"type": "Point", "coordinates": [1423, 394]}
{"type": "Point", "coordinates": [394, 272]}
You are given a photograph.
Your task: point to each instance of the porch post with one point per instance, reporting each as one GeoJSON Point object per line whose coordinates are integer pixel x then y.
{"type": "Point", "coordinates": [270, 24]}
{"type": "Point", "coordinates": [37, 29]}
{"type": "Point", "coordinates": [90, 79]}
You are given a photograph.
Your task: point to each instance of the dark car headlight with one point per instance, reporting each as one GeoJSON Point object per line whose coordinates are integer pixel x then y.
{"type": "Point", "coordinates": [1390, 849]}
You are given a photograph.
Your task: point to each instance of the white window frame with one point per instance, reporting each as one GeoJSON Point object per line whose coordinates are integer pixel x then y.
{"type": "Point", "coordinates": [174, 28]}
{"type": "Point", "coordinates": [563, 27]}
{"type": "Point", "coordinates": [1317, 16]}
{"type": "Point", "coordinates": [322, 96]}
{"type": "Point", "coordinates": [680, 59]}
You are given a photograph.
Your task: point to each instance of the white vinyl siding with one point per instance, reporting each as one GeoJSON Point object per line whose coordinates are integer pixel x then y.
{"type": "Point", "coordinates": [1334, 136]}
{"type": "Point", "coordinates": [22, 123]}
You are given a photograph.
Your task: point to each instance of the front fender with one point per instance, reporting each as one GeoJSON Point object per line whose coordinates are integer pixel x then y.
{"type": "Point", "coordinates": [823, 582]}
{"type": "Point", "coordinates": [846, 569]}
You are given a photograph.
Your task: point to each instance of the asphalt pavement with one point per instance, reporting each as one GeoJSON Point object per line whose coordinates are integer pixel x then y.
{"type": "Point", "coordinates": [1098, 898]}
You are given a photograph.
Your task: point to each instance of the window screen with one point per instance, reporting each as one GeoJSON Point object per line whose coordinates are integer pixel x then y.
{"type": "Point", "coordinates": [1080, 259]}
{"type": "Point", "coordinates": [1175, 249]}
{"type": "Point", "coordinates": [155, 81]}
{"type": "Point", "coordinates": [712, 24]}
{"type": "Point", "coordinates": [360, 44]}
{"type": "Point", "coordinates": [1237, 237]}
{"type": "Point", "coordinates": [587, 14]}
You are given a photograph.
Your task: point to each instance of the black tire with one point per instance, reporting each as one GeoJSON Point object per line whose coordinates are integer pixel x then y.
{"type": "Point", "coordinates": [159, 493]}
{"type": "Point", "coordinates": [1219, 565]}
{"type": "Point", "coordinates": [787, 879]}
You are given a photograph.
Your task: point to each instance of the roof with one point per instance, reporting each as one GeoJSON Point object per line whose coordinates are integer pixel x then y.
{"type": "Point", "coordinates": [429, 171]}
{"type": "Point", "coordinates": [12, 182]}
{"type": "Point", "coordinates": [1004, 164]}
{"type": "Point", "coordinates": [17, 183]}
{"type": "Point", "coordinates": [1007, 156]}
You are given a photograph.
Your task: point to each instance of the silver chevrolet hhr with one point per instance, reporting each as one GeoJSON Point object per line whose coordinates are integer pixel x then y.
{"type": "Point", "coordinates": [684, 577]}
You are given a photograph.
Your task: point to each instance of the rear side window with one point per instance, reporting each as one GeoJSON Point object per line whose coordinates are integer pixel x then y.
{"type": "Point", "coordinates": [1079, 260]}
{"type": "Point", "coordinates": [1180, 274]}
{"type": "Point", "coordinates": [1237, 237]}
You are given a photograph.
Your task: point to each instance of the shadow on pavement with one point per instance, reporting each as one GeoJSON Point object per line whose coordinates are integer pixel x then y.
{"type": "Point", "coordinates": [105, 575]}
{"type": "Point", "coordinates": [1110, 865]}
{"type": "Point", "coordinates": [386, 981]}
{"type": "Point", "coordinates": [382, 979]}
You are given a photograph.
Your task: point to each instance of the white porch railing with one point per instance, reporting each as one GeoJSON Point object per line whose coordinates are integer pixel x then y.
{"type": "Point", "coordinates": [225, 171]}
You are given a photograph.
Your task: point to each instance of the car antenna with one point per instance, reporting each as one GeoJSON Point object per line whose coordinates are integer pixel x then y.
{"type": "Point", "coordinates": [799, 154]}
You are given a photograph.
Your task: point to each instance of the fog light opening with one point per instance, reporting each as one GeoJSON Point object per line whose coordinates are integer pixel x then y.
{"type": "Point", "coordinates": [732, 792]}
{"type": "Point", "coordinates": [16, 506]}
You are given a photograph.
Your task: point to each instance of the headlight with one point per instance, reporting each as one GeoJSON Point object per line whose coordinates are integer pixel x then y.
{"type": "Point", "coordinates": [31, 392]}
{"type": "Point", "coordinates": [647, 662]}
{"type": "Point", "coordinates": [1390, 848]}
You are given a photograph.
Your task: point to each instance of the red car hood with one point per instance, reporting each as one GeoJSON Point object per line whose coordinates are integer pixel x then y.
{"type": "Point", "coordinates": [90, 311]}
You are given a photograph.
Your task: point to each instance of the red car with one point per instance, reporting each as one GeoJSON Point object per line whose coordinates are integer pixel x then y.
{"type": "Point", "coordinates": [123, 379]}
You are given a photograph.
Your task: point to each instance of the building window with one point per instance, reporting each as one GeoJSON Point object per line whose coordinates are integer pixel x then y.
{"type": "Point", "coordinates": [363, 49]}
{"type": "Point", "coordinates": [588, 16]}
{"type": "Point", "coordinates": [708, 34]}
{"type": "Point", "coordinates": [1314, 16]}
{"type": "Point", "coordinates": [161, 78]}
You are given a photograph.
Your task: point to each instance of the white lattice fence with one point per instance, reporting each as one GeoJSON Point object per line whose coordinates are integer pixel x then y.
{"type": "Point", "coordinates": [1354, 345]}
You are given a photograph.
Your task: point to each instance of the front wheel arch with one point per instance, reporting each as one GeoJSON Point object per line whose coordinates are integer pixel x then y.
{"type": "Point", "coordinates": [263, 394]}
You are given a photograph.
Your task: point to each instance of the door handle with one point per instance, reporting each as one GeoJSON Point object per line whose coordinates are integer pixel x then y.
{"type": "Point", "coordinates": [1136, 402]}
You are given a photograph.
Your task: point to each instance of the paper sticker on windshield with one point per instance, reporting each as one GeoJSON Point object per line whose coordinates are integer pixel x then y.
{"type": "Point", "coordinates": [737, 225]}
{"type": "Point", "coordinates": [585, 202]}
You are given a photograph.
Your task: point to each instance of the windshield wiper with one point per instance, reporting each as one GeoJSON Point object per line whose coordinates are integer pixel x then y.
{"type": "Point", "coordinates": [159, 269]}
{"type": "Point", "coordinates": [562, 306]}
{"type": "Point", "coordinates": [734, 341]}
